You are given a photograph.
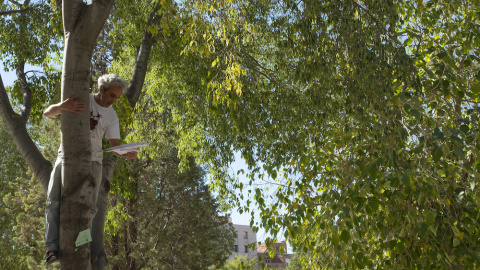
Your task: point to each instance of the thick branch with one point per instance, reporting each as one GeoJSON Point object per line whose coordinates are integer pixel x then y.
{"type": "Point", "coordinates": [13, 12]}
{"type": "Point", "coordinates": [58, 3]}
{"type": "Point", "coordinates": [140, 70]}
{"type": "Point", "coordinates": [26, 91]}
{"type": "Point", "coordinates": [70, 11]}
{"type": "Point", "coordinates": [17, 129]}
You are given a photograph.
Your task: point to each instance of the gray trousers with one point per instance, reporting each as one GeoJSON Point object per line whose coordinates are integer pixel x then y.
{"type": "Point", "coordinates": [54, 195]}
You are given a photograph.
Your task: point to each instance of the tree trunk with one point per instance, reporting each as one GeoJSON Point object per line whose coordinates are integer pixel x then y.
{"type": "Point", "coordinates": [82, 24]}
{"type": "Point", "coordinates": [77, 181]}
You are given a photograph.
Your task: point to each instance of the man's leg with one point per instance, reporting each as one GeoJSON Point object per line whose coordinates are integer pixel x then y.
{"type": "Point", "coordinates": [97, 175]}
{"type": "Point", "coordinates": [97, 244]}
{"type": "Point", "coordinates": [52, 209]}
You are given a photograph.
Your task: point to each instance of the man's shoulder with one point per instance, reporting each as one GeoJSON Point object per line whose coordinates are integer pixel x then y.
{"type": "Point", "coordinates": [112, 111]}
{"type": "Point", "coordinates": [112, 115]}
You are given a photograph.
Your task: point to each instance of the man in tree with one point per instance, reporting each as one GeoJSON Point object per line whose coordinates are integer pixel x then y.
{"type": "Point", "coordinates": [103, 121]}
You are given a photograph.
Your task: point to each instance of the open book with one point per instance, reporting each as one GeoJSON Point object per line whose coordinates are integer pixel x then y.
{"type": "Point", "coordinates": [125, 148]}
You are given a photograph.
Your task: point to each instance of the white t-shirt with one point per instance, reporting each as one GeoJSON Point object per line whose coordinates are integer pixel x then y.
{"type": "Point", "coordinates": [103, 121]}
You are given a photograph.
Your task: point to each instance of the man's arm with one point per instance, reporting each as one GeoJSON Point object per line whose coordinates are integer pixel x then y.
{"type": "Point", "coordinates": [68, 105]}
{"type": "Point", "coordinates": [129, 155]}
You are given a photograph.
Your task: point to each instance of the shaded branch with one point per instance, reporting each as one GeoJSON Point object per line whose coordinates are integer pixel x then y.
{"type": "Point", "coordinates": [26, 91]}
{"type": "Point", "coordinates": [70, 11]}
{"type": "Point", "coordinates": [13, 12]}
{"type": "Point", "coordinates": [16, 127]}
{"type": "Point", "coordinates": [140, 70]}
{"type": "Point", "coordinates": [58, 3]}
{"type": "Point", "coordinates": [258, 67]}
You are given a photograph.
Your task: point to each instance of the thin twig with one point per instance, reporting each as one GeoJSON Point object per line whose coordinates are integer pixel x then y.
{"type": "Point", "coordinates": [16, 3]}
{"type": "Point", "coordinates": [366, 10]}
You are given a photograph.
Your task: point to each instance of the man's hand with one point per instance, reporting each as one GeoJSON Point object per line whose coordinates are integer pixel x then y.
{"type": "Point", "coordinates": [70, 105]}
{"type": "Point", "coordinates": [130, 155]}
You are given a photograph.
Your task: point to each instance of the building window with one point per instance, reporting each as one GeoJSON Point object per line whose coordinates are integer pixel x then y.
{"type": "Point", "coordinates": [235, 248]}
{"type": "Point", "coordinates": [245, 235]}
{"type": "Point", "coordinates": [246, 249]}
{"type": "Point", "coordinates": [236, 232]}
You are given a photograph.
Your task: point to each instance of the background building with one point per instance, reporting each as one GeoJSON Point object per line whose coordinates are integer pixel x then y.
{"type": "Point", "coordinates": [244, 240]}
{"type": "Point", "coordinates": [245, 244]}
{"type": "Point", "coordinates": [279, 260]}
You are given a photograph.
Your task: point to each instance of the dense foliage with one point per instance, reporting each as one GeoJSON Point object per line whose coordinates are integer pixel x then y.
{"type": "Point", "coordinates": [362, 114]}
{"type": "Point", "coordinates": [239, 263]}
{"type": "Point", "coordinates": [23, 201]}
{"type": "Point", "coordinates": [13, 168]}
{"type": "Point", "coordinates": [168, 220]}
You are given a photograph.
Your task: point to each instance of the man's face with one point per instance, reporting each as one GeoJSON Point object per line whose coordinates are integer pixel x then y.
{"type": "Point", "coordinates": [110, 96]}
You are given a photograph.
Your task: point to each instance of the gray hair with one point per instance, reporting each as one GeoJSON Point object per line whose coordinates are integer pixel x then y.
{"type": "Point", "coordinates": [109, 80]}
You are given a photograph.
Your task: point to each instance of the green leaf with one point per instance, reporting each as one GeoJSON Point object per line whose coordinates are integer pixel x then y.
{"type": "Point", "coordinates": [405, 178]}
{"type": "Point", "coordinates": [437, 135]}
{"type": "Point", "coordinates": [455, 230]}
{"type": "Point", "coordinates": [464, 129]}
{"type": "Point", "coordinates": [459, 152]}
{"type": "Point", "coordinates": [442, 55]}
{"type": "Point", "coordinates": [418, 149]}
{"type": "Point", "coordinates": [359, 256]}
{"type": "Point", "coordinates": [476, 88]}
{"type": "Point", "coordinates": [430, 216]}
{"type": "Point", "coordinates": [415, 113]}
{"type": "Point", "coordinates": [437, 154]}
{"type": "Point", "coordinates": [456, 242]}
{"type": "Point", "coordinates": [335, 240]}
{"type": "Point", "coordinates": [345, 236]}
{"type": "Point", "coordinates": [400, 247]}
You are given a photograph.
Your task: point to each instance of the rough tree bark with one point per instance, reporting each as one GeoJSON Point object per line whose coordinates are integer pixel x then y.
{"type": "Point", "coordinates": [82, 24]}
